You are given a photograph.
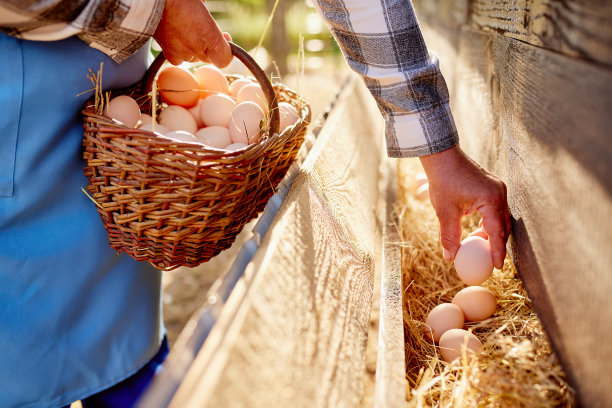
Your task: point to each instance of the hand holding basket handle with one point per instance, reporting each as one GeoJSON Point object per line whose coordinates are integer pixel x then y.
{"type": "Point", "coordinates": [250, 63]}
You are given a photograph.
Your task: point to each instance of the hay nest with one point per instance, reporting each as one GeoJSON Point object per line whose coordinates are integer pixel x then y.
{"type": "Point", "coordinates": [517, 368]}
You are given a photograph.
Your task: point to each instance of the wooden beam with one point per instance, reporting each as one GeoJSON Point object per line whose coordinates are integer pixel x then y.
{"type": "Point", "coordinates": [573, 27]}
{"type": "Point", "coordinates": [294, 330]}
{"type": "Point", "coordinates": [541, 120]}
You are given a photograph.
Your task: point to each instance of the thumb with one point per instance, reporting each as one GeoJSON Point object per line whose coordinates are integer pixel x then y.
{"type": "Point", "coordinates": [450, 234]}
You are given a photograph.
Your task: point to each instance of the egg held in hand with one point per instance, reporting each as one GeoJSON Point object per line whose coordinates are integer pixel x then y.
{"type": "Point", "coordinates": [178, 87]}
{"type": "Point", "coordinates": [473, 261]}
{"type": "Point", "coordinates": [441, 318]}
{"type": "Point", "coordinates": [455, 342]}
{"type": "Point", "coordinates": [124, 109]}
{"type": "Point", "coordinates": [476, 302]}
{"type": "Point", "coordinates": [175, 117]}
{"type": "Point", "coordinates": [245, 123]}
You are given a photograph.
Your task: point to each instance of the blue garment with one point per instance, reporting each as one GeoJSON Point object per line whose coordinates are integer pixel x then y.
{"type": "Point", "coordinates": [127, 392]}
{"type": "Point", "coordinates": [75, 317]}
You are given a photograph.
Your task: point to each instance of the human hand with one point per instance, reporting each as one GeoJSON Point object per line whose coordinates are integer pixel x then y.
{"type": "Point", "coordinates": [188, 32]}
{"type": "Point", "coordinates": [458, 186]}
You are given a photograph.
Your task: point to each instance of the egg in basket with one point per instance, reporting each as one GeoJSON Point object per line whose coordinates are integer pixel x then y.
{"type": "Point", "coordinates": [175, 178]}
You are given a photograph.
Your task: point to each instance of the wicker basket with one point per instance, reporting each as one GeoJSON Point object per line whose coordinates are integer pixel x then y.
{"type": "Point", "coordinates": [177, 204]}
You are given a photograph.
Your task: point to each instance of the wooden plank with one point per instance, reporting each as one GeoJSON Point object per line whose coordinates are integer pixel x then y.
{"type": "Point", "coordinates": [541, 121]}
{"type": "Point", "coordinates": [572, 27]}
{"type": "Point", "coordinates": [391, 361]}
{"type": "Point", "coordinates": [294, 331]}
{"type": "Point", "coordinates": [556, 121]}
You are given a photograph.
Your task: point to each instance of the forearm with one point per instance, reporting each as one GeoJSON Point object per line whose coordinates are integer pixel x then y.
{"type": "Point", "coordinates": [117, 28]}
{"type": "Point", "coordinates": [382, 42]}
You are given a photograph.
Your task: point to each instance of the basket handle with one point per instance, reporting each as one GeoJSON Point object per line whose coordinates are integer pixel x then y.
{"type": "Point", "coordinates": [252, 66]}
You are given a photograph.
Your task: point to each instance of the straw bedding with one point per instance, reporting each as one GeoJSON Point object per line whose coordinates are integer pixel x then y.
{"type": "Point", "coordinates": [517, 368]}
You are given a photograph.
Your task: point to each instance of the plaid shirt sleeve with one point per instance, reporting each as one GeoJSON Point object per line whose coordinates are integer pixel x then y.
{"type": "Point", "coordinates": [381, 41]}
{"type": "Point", "coordinates": [116, 27]}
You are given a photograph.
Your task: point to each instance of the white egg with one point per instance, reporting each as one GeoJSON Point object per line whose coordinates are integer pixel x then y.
{"type": "Point", "coordinates": [235, 86]}
{"type": "Point", "coordinates": [159, 129]}
{"type": "Point", "coordinates": [245, 123]}
{"type": "Point", "coordinates": [288, 116]}
{"type": "Point", "coordinates": [214, 136]}
{"type": "Point", "coordinates": [473, 261]}
{"type": "Point", "coordinates": [215, 110]}
{"type": "Point", "coordinates": [236, 146]}
{"type": "Point", "coordinates": [175, 117]}
{"type": "Point", "coordinates": [124, 109]}
{"type": "Point", "coordinates": [253, 93]}
{"type": "Point", "coordinates": [195, 112]}
{"type": "Point", "coordinates": [441, 318]}
{"type": "Point", "coordinates": [181, 136]}
{"type": "Point", "coordinates": [455, 342]}
{"type": "Point", "coordinates": [145, 119]}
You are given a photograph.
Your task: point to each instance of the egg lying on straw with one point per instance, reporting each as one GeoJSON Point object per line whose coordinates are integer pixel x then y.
{"type": "Point", "coordinates": [476, 302]}
{"type": "Point", "coordinates": [442, 318]}
{"type": "Point", "coordinates": [455, 342]}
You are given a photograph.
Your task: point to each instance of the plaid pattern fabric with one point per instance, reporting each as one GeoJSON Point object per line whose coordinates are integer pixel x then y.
{"type": "Point", "coordinates": [116, 27]}
{"type": "Point", "coordinates": [381, 41]}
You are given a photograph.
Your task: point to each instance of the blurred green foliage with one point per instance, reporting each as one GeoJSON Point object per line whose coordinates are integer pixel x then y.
{"type": "Point", "coordinates": [245, 20]}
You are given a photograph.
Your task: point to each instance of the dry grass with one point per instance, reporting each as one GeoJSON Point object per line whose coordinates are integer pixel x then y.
{"type": "Point", "coordinates": [517, 367]}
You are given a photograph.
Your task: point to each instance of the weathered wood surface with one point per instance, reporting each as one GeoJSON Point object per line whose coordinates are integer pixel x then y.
{"type": "Point", "coordinates": [575, 28]}
{"type": "Point", "coordinates": [391, 361]}
{"type": "Point", "coordinates": [294, 331]}
{"type": "Point", "coordinates": [541, 120]}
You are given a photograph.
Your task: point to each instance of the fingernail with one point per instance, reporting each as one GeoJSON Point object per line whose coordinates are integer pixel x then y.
{"type": "Point", "coordinates": [446, 255]}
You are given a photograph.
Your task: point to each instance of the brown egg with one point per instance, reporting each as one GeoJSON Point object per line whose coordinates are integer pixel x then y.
{"type": "Point", "coordinates": [178, 87]}
{"type": "Point", "coordinates": [454, 341]}
{"type": "Point", "coordinates": [210, 80]}
{"type": "Point", "coordinates": [476, 302]}
{"type": "Point", "coordinates": [441, 318]}
{"type": "Point", "coordinates": [473, 261]}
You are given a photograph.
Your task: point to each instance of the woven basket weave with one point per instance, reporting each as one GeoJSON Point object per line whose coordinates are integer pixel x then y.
{"type": "Point", "coordinates": [176, 204]}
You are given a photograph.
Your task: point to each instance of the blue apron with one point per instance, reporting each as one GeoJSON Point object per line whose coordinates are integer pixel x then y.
{"type": "Point", "coordinates": [75, 316]}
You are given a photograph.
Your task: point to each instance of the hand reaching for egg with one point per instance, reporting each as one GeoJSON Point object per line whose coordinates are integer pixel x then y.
{"type": "Point", "coordinates": [457, 187]}
{"type": "Point", "coordinates": [188, 32]}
